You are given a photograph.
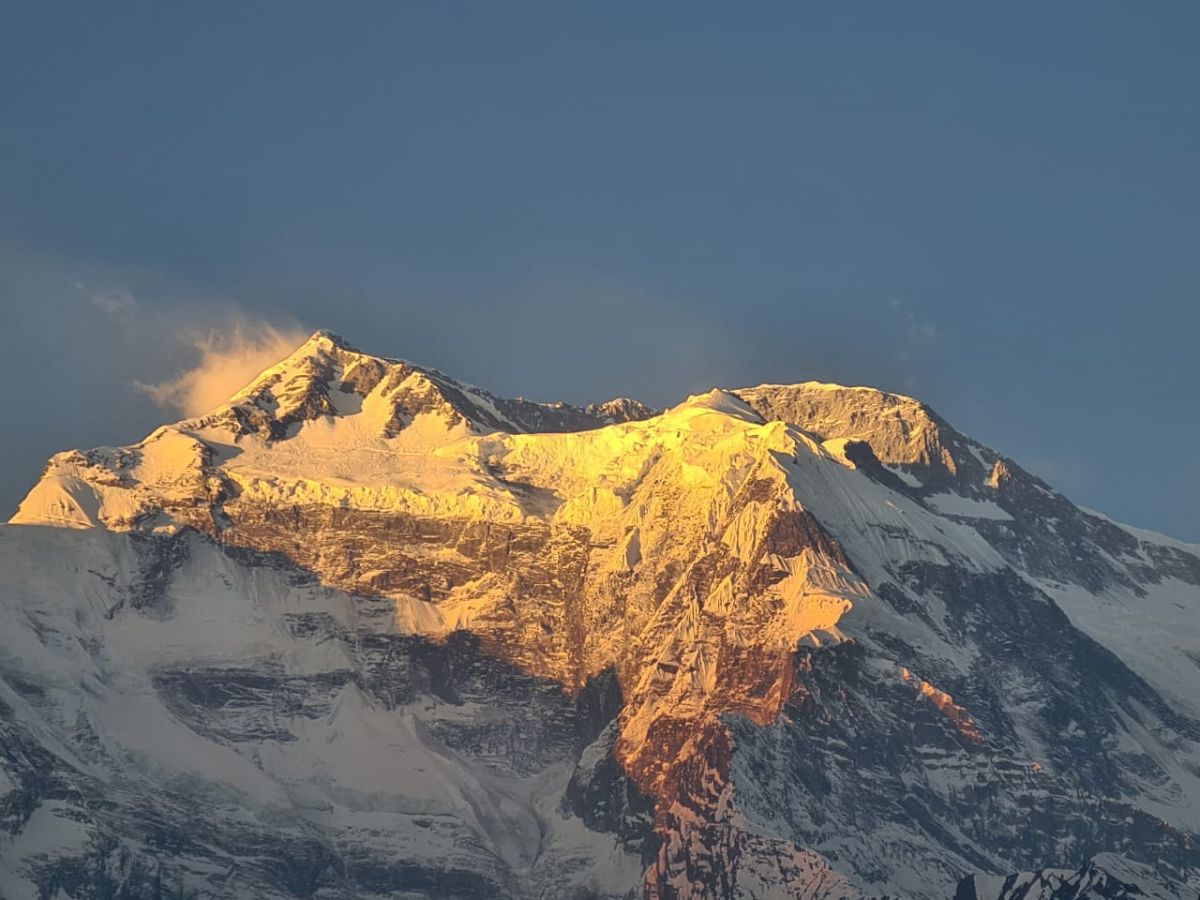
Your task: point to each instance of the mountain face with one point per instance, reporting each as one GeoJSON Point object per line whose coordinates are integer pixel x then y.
{"type": "Point", "coordinates": [365, 631]}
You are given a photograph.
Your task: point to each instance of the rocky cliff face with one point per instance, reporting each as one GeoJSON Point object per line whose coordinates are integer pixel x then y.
{"type": "Point", "coordinates": [366, 631]}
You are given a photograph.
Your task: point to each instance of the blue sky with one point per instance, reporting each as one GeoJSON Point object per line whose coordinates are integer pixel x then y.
{"type": "Point", "coordinates": [993, 207]}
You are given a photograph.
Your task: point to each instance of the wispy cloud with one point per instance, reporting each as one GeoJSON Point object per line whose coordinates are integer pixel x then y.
{"type": "Point", "coordinates": [915, 331]}
{"type": "Point", "coordinates": [916, 339]}
{"type": "Point", "coordinates": [114, 303]}
{"type": "Point", "coordinates": [185, 349]}
{"type": "Point", "coordinates": [228, 359]}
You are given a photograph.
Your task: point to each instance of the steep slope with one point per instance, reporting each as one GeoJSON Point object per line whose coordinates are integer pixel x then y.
{"type": "Point", "coordinates": [180, 721]}
{"type": "Point", "coordinates": [783, 641]}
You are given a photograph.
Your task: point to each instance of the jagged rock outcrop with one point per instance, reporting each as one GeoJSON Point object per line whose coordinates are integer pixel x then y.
{"type": "Point", "coordinates": [787, 641]}
{"type": "Point", "coordinates": [1106, 877]}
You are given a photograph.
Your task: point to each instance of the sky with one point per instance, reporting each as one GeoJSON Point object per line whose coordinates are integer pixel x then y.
{"type": "Point", "coordinates": [992, 207]}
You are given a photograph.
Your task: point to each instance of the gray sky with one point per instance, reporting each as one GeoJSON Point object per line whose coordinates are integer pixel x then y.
{"type": "Point", "coordinates": [992, 208]}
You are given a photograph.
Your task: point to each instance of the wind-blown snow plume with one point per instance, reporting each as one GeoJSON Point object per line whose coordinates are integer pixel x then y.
{"type": "Point", "coordinates": [229, 359]}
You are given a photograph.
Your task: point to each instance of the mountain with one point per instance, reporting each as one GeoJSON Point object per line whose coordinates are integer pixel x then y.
{"type": "Point", "coordinates": [365, 631]}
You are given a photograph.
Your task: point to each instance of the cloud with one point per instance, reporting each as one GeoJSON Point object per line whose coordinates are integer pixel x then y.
{"type": "Point", "coordinates": [916, 329]}
{"type": "Point", "coordinates": [229, 358]}
{"type": "Point", "coordinates": [112, 302]}
{"type": "Point", "coordinates": [916, 340]}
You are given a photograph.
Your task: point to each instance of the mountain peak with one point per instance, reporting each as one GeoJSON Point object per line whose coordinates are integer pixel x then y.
{"type": "Point", "coordinates": [328, 377]}
{"type": "Point", "coordinates": [325, 336]}
{"type": "Point", "coordinates": [321, 347]}
{"type": "Point", "coordinates": [901, 431]}
{"type": "Point", "coordinates": [321, 344]}
{"type": "Point", "coordinates": [720, 401]}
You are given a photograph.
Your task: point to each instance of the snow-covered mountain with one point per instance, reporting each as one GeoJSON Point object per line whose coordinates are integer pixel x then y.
{"type": "Point", "coordinates": [366, 631]}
